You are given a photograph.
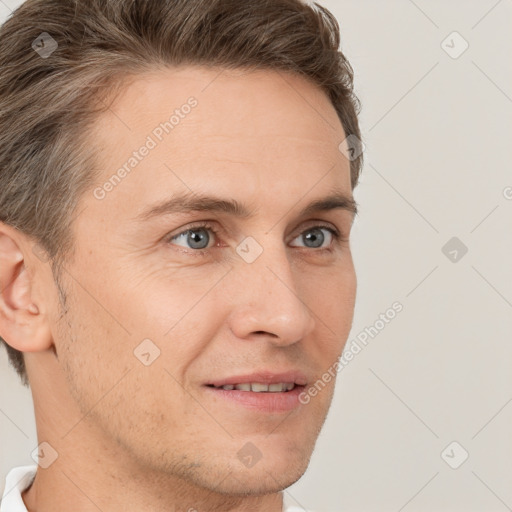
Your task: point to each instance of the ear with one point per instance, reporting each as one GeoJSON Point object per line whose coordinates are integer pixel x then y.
{"type": "Point", "coordinates": [23, 324]}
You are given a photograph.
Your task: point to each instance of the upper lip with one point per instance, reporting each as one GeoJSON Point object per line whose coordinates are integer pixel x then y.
{"type": "Point", "coordinates": [263, 377]}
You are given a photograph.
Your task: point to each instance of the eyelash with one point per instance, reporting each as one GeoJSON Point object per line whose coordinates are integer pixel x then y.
{"type": "Point", "coordinates": [338, 237]}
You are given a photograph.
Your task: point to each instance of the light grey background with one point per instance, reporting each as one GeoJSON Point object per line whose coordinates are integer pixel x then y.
{"type": "Point", "coordinates": [437, 131]}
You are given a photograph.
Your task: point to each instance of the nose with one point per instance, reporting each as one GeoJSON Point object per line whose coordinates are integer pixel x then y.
{"type": "Point", "coordinates": [267, 302]}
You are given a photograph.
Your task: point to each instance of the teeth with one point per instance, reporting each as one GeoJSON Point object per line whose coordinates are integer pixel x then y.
{"type": "Point", "coordinates": [257, 387]}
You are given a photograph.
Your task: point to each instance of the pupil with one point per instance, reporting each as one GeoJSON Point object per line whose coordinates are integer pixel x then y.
{"type": "Point", "coordinates": [316, 236]}
{"type": "Point", "coordinates": [198, 239]}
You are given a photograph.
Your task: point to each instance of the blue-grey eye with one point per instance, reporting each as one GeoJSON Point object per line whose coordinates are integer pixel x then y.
{"type": "Point", "coordinates": [197, 238]}
{"type": "Point", "coordinates": [315, 237]}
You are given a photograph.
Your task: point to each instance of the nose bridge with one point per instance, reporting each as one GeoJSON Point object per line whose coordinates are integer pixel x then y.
{"type": "Point", "coordinates": [269, 300]}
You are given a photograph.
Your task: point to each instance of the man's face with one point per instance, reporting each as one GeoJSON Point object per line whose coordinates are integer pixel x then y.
{"type": "Point", "coordinates": [215, 306]}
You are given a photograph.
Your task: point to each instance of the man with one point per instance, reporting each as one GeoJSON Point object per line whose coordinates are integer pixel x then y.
{"type": "Point", "coordinates": [177, 285]}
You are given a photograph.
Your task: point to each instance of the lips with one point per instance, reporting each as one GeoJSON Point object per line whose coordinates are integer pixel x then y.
{"type": "Point", "coordinates": [264, 391]}
{"type": "Point", "coordinates": [260, 402]}
{"type": "Point", "coordinates": [263, 381]}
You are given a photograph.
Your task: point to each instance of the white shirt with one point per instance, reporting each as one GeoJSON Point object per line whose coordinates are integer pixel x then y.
{"type": "Point", "coordinates": [21, 477]}
{"type": "Point", "coordinates": [18, 479]}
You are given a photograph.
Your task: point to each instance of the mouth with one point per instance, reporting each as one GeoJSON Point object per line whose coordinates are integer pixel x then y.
{"type": "Point", "coordinates": [258, 387]}
{"type": "Point", "coordinates": [264, 392]}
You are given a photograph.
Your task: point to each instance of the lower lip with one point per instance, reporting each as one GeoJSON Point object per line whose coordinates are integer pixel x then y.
{"type": "Point", "coordinates": [264, 402]}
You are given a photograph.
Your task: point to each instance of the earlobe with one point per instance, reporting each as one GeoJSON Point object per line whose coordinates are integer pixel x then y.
{"type": "Point", "coordinates": [22, 325]}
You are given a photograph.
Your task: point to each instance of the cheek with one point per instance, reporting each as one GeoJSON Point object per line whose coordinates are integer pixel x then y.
{"type": "Point", "coordinates": [112, 387]}
{"type": "Point", "coordinates": [332, 300]}
{"type": "Point", "coordinates": [180, 315]}
{"type": "Point", "coordinates": [107, 327]}
{"type": "Point", "coordinates": [95, 353]}
{"type": "Point", "coordinates": [164, 297]}
{"type": "Point", "coordinates": [94, 346]}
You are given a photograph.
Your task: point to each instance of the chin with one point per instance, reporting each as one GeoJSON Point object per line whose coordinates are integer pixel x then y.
{"type": "Point", "coordinates": [261, 480]}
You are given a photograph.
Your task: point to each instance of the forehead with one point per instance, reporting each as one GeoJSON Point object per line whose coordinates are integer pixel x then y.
{"type": "Point", "coordinates": [238, 104]}
{"type": "Point", "coordinates": [229, 128]}
{"type": "Point", "coordinates": [237, 94]}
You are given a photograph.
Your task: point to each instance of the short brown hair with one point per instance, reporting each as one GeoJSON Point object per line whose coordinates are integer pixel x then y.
{"type": "Point", "coordinates": [48, 102]}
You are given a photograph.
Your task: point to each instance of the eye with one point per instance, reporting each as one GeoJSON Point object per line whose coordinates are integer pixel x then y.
{"type": "Point", "coordinates": [314, 237]}
{"type": "Point", "coordinates": [196, 237]}
{"type": "Point", "coordinates": [200, 240]}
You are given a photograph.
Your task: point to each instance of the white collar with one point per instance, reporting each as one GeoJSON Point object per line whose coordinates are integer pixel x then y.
{"type": "Point", "coordinates": [18, 479]}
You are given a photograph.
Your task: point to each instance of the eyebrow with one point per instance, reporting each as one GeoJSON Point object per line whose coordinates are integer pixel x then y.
{"type": "Point", "coordinates": [192, 202]}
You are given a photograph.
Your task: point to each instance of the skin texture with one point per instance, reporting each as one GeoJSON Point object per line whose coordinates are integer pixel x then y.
{"type": "Point", "coordinates": [131, 437]}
